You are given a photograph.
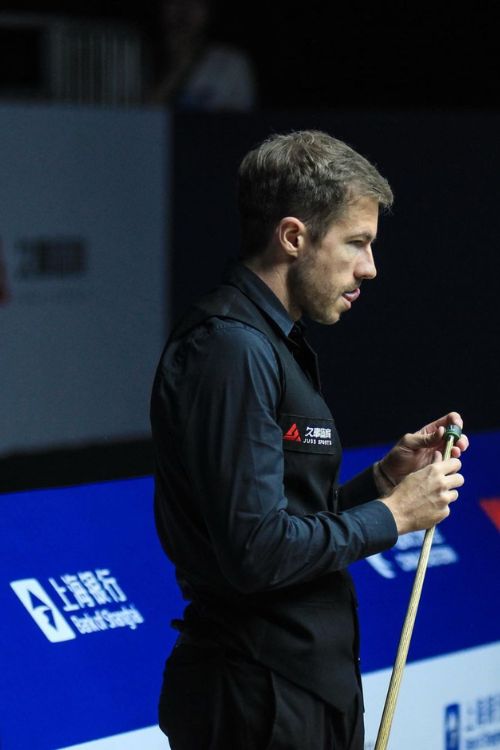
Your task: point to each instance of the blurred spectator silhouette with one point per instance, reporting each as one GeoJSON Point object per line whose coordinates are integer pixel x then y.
{"type": "Point", "coordinates": [197, 73]}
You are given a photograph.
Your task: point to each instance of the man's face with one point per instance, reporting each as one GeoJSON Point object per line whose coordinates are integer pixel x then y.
{"type": "Point", "coordinates": [324, 280]}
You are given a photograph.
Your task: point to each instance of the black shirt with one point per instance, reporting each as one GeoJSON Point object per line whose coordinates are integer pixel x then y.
{"type": "Point", "coordinates": [221, 508]}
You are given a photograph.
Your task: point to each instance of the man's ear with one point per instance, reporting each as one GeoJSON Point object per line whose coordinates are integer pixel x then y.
{"type": "Point", "coordinates": [291, 235]}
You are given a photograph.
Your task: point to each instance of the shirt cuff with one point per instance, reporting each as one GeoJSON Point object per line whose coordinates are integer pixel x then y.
{"type": "Point", "coordinates": [378, 524]}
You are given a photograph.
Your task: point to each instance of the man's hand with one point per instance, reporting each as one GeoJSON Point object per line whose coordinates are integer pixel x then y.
{"type": "Point", "coordinates": [416, 450]}
{"type": "Point", "coordinates": [422, 499]}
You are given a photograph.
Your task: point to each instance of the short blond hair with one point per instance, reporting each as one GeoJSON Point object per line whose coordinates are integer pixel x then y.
{"type": "Point", "coordinates": [307, 174]}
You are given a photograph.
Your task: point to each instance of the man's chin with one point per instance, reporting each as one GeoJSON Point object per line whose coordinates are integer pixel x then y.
{"type": "Point", "coordinates": [326, 319]}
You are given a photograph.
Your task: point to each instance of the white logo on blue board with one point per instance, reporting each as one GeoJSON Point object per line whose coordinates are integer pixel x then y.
{"type": "Point", "coordinates": [43, 610]}
{"type": "Point", "coordinates": [405, 554]}
{"type": "Point", "coordinates": [473, 725]}
{"type": "Point", "coordinates": [80, 597]}
{"type": "Point", "coordinates": [452, 727]}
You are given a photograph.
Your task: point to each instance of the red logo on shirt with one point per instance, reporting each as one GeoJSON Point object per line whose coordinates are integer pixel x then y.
{"type": "Point", "coordinates": [293, 434]}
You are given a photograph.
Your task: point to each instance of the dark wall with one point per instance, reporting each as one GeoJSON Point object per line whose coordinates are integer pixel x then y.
{"type": "Point", "coordinates": [423, 338]}
{"type": "Point", "coordinates": [324, 54]}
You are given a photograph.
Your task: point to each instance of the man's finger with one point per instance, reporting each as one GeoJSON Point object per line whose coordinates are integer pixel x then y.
{"type": "Point", "coordinates": [425, 439]}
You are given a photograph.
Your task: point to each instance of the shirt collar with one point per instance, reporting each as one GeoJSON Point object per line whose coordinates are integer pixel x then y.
{"type": "Point", "coordinates": [261, 295]}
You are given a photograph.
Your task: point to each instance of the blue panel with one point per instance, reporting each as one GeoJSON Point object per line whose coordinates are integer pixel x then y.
{"type": "Point", "coordinates": [460, 604]}
{"type": "Point", "coordinates": [86, 596]}
{"type": "Point", "coordinates": [54, 694]}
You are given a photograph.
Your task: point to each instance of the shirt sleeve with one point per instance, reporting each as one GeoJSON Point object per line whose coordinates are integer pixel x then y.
{"type": "Point", "coordinates": [232, 451]}
{"type": "Point", "coordinates": [360, 489]}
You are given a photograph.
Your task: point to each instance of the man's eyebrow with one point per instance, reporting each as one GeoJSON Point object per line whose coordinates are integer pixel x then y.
{"type": "Point", "coordinates": [367, 236]}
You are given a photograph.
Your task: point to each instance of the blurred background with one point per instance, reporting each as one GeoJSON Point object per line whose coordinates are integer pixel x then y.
{"type": "Point", "coordinates": [414, 87]}
{"type": "Point", "coordinates": [319, 55]}
{"type": "Point", "coordinates": [121, 129]}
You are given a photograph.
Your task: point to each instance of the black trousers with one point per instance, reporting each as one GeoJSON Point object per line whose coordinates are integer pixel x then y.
{"type": "Point", "coordinates": [212, 700]}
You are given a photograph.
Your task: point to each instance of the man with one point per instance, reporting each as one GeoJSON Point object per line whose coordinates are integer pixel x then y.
{"type": "Point", "coordinates": [200, 74]}
{"type": "Point", "coordinates": [247, 501]}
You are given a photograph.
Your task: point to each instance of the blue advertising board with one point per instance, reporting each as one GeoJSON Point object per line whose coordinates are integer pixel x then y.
{"type": "Point", "coordinates": [460, 605]}
{"type": "Point", "coordinates": [86, 599]}
{"type": "Point", "coordinates": [87, 595]}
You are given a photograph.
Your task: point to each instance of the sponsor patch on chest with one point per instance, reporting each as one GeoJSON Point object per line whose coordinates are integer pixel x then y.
{"type": "Point", "coordinates": [308, 434]}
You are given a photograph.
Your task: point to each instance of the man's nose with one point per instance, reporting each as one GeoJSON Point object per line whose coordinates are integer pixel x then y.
{"type": "Point", "coordinates": [367, 268]}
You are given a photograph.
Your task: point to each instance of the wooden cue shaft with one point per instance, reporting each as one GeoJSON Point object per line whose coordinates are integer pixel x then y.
{"type": "Point", "coordinates": [406, 632]}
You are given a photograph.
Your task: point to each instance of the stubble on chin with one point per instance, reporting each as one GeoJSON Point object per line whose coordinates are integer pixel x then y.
{"type": "Point", "coordinates": [310, 295]}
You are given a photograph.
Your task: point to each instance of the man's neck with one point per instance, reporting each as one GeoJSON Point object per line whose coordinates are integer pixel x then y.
{"type": "Point", "coordinates": [275, 277]}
